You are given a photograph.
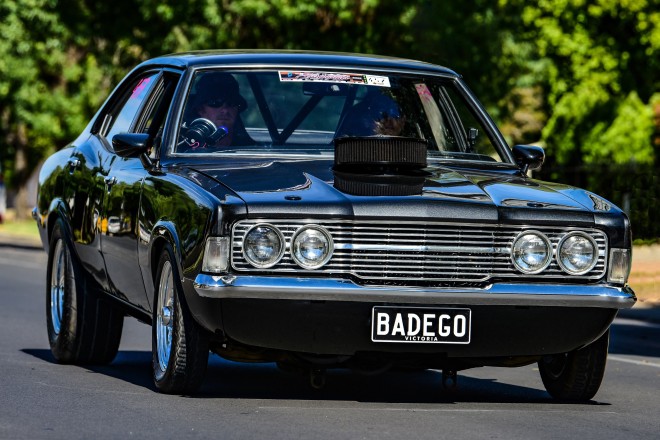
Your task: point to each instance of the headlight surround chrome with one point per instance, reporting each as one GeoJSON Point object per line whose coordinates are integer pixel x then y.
{"type": "Point", "coordinates": [577, 253]}
{"type": "Point", "coordinates": [311, 246]}
{"type": "Point", "coordinates": [531, 252]}
{"type": "Point", "coordinates": [263, 245]}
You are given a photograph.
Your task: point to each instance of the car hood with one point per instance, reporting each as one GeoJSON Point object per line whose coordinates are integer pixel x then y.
{"type": "Point", "coordinates": [311, 188]}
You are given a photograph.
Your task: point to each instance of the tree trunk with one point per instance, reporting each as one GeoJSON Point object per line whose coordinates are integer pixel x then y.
{"type": "Point", "coordinates": [21, 173]}
{"type": "Point", "coordinates": [22, 203]}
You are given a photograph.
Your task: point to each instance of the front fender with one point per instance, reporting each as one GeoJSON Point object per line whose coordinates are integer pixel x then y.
{"type": "Point", "coordinates": [182, 220]}
{"type": "Point", "coordinates": [47, 217]}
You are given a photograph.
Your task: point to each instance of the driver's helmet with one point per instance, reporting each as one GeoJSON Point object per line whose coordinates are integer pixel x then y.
{"type": "Point", "coordinates": [376, 114]}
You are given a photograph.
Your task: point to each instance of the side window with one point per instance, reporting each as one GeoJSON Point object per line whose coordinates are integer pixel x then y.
{"type": "Point", "coordinates": [123, 116]}
{"type": "Point", "coordinates": [155, 110]}
{"type": "Point", "coordinates": [438, 118]}
{"type": "Point", "coordinates": [471, 130]}
{"type": "Point", "coordinates": [151, 119]}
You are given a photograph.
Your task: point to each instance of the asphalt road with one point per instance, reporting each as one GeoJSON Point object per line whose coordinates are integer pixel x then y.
{"type": "Point", "coordinates": [42, 399]}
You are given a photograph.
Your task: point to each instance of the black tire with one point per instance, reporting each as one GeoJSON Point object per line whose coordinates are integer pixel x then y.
{"type": "Point", "coordinates": [576, 376]}
{"type": "Point", "coordinates": [180, 347]}
{"type": "Point", "coordinates": [83, 327]}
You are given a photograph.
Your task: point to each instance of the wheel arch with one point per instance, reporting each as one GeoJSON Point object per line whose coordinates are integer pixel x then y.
{"type": "Point", "coordinates": [57, 210]}
{"type": "Point", "coordinates": [164, 233]}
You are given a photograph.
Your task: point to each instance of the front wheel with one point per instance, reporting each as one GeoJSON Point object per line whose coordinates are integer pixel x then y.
{"type": "Point", "coordinates": [577, 375]}
{"type": "Point", "coordinates": [180, 347]}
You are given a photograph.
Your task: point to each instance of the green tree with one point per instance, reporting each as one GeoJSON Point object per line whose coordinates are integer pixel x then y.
{"type": "Point", "coordinates": [48, 87]}
{"type": "Point", "coordinates": [60, 59]}
{"type": "Point", "coordinates": [580, 76]}
{"type": "Point", "coordinates": [600, 76]}
{"type": "Point", "coordinates": [474, 38]}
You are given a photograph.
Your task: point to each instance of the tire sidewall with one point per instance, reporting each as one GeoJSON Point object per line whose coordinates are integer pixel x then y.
{"type": "Point", "coordinates": [61, 344]}
{"type": "Point", "coordinates": [165, 381]}
{"type": "Point", "coordinates": [581, 374]}
{"type": "Point", "coordinates": [188, 358]}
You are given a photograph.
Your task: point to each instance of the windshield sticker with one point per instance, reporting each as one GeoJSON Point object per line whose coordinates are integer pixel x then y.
{"type": "Point", "coordinates": [141, 87]}
{"type": "Point", "coordinates": [433, 114]}
{"type": "Point", "coordinates": [331, 77]}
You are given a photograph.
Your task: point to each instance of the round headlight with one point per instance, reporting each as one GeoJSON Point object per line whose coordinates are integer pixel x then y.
{"type": "Point", "coordinates": [577, 253]}
{"type": "Point", "coordinates": [311, 247]}
{"type": "Point", "coordinates": [263, 246]}
{"type": "Point", "coordinates": [532, 252]}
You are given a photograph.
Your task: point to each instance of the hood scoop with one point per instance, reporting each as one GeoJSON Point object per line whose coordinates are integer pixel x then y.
{"type": "Point", "coordinates": [380, 165]}
{"type": "Point", "coordinates": [378, 185]}
{"type": "Point", "coordinates": [380, 154]}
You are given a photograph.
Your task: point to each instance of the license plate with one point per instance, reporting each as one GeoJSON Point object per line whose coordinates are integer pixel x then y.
{"type": "Point", "coordinates": [420, 325]}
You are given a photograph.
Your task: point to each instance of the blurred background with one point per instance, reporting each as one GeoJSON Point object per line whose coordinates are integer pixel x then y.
{"type": "Point", "coordinates": [580, 78]}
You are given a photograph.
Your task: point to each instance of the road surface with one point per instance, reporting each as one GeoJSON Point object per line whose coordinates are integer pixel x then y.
{"type": "Point", "coordinates": [42, 399]}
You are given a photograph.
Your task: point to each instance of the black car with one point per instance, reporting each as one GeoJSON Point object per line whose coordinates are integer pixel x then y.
{"type": "Point", "coordinates": [323, 210]}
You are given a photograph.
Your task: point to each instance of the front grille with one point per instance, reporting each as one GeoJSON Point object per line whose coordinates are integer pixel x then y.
{"type": "Point", "coordinates": [414, 253]}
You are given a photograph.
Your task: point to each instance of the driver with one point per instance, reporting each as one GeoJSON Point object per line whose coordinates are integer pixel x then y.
{"type": "Point", "coordinates": [218, 99]}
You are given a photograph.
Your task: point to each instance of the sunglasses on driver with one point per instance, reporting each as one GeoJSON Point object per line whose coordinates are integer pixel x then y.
{"type": "Point", "coordinates": [220, 102]}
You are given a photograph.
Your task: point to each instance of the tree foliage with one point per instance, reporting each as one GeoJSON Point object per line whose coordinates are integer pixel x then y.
{"type": "Point", "coordinates": [600, 77]}
{"type": "Point", "coordinates": [580, 77]}
{"type": "Point", "coordinates": [49, 87]}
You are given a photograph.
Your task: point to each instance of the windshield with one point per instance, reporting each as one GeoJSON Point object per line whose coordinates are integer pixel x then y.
{"type": "Point", "coordinates": [305, 111]}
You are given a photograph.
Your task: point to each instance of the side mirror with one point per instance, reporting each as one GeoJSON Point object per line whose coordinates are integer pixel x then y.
{"type": "Point", "coordinates": [473, 134]}
{"type": "Point", "coordinates": [528, 157]}
{"type": "Point", "coordinates": [133, 145]}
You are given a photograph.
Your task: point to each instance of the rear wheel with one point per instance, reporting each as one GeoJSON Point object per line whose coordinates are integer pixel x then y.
{"type": "Point", "coordinates": [83, 327]}
{"type": "Point", "coordinates": [576, 375]}
{"type": "Point", "coordinates": [180, 347]}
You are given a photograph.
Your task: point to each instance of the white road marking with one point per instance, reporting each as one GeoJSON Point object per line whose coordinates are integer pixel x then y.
{"type": "Point", "coordinates": [635, 323]}
{"type": "Point", "coordinates": [428, 410]}
{"type": "Point", "coordinates": [633, 361]}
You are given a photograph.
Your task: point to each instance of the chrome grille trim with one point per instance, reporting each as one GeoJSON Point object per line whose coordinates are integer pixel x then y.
{"type": "Point", "coordinates": [418, 251]}
{"type": "Point", "coordinates": [411, 248]}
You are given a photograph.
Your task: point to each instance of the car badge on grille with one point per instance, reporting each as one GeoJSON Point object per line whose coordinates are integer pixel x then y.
{"type": "Point", "coordinates": [599, 204]}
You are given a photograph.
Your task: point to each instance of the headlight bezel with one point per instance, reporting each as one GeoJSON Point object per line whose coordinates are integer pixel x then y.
{"type": "Point", "coordinates": [562, 242]}
{"type": "Point", "coordinates": [271, 262]}
{"type": "Point", "coordinates": [328, 254]}
{"type": "Point", "coordinates": [547, 260]}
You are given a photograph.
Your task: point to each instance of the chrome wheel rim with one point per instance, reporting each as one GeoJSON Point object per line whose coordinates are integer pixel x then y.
{"type": "Point", "coordinates": [57, 276]}
{"type": "Point", "coordinates": [165, 318]}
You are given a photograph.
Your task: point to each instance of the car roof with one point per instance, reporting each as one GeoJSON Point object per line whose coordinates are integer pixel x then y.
{"type": "Point", "coordinates": [299, 59]}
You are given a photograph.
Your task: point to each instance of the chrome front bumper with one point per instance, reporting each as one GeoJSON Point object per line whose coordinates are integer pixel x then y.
{"type": "Point", "coordinates": [331, 289]}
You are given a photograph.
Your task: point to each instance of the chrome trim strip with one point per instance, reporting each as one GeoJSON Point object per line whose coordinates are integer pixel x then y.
{"type": "Point", "coordinates": [450, 249]}
{"type": "Point", "coordinates": [324, 289]}
{"type": "Point", "coordinates": [414, 224]}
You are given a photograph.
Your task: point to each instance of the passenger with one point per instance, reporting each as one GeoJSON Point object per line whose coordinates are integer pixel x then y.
{"type": "Point", "coordinates": [377, 114]}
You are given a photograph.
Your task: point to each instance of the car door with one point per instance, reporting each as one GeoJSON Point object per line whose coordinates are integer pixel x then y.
{"type": "Point", "coordinates": [121, 182]}
{"type": "Point", "coordinates": [83, 191]}
{"type": "Point", "coordinates": [143, 112]}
